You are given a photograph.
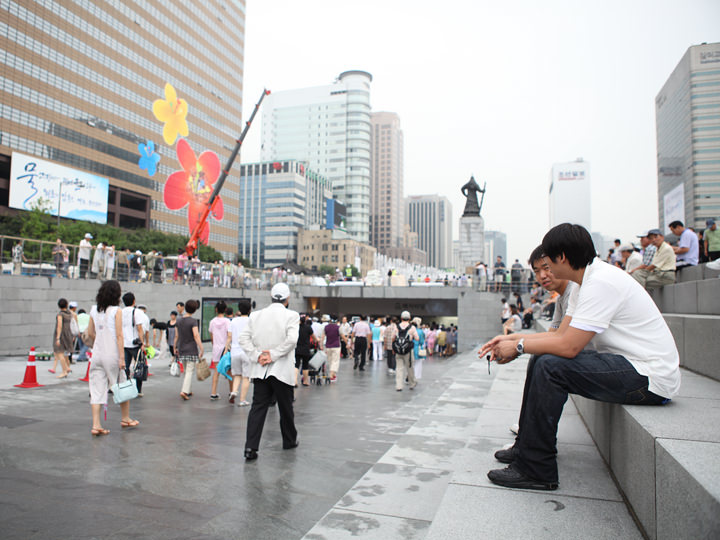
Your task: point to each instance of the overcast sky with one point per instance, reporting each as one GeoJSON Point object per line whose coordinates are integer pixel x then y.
{"type": "Point", "coordinates": [499, 90]}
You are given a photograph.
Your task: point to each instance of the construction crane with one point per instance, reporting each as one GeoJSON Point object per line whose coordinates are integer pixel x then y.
{"type": "Point", "coordinates": [193, 242]}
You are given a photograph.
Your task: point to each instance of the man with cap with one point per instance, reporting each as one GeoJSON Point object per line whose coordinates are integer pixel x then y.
{"type": "Point", "coordinates": [404, 360]}
{"type": "Point", "coordinates": [630, 258]}
{"type": "Point", "coordinates": [269, 340]}
{"type": "Point", "coordinates": [711, 240]}
{"type": "Point", "coordinates": [84, 255]}
{"type": "Point", "coordinates": [661, 270]}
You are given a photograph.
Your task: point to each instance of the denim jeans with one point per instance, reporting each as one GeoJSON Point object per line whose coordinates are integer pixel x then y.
{"type": "Point", "coordinates": [599, 376]}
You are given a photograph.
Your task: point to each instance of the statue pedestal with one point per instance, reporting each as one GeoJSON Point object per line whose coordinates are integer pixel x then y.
{"type": "Point", "coordinates": [472, 242]}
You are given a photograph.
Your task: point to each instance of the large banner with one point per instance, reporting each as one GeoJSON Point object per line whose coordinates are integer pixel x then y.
{"type": "Point", "coordinates": [71, 193]}
{"type": "Point", "coordinates": [674, 207]}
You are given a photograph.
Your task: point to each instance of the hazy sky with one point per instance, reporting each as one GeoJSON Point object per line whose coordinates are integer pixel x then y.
{"type": "Point", "coordinates": [500, 90]}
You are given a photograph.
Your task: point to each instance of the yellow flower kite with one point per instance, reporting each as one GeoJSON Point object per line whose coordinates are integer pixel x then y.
{"type": "Point", "coordinates": [172, 111]}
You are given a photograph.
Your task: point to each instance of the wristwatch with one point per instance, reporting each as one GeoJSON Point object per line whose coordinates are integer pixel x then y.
{"type": "Point", "coordinates": [520, 347]}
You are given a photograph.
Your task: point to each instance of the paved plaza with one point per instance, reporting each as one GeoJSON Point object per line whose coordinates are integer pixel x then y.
{"type": "Point", "coordinates": [372, 463]}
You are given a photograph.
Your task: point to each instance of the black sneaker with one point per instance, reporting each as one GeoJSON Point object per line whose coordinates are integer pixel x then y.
{"type": "Point", "coordinates": [506, 455]}
{"type": "Point", "coordinates": [293, 445]}
{"type": "Point", "coordinates": [214, 397]}
{"type": "Point", "coordinates": [512, 478]}
{"type": "Point", "coordinates": [250, 454]}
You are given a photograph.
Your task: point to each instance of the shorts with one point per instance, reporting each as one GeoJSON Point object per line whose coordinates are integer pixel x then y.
{"type": "Point", "coordinates": [239, 364]}
{"type": "Point", "coordinates": [302, 359]}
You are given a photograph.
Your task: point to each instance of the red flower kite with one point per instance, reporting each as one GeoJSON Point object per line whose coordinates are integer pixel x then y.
{"type": "Point", "coordinates": [193, 186]}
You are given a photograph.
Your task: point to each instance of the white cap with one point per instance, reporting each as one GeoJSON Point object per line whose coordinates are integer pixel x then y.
{"type": "Point", "coordinates": [280, 291]}
{"type": "Point", "coordinates": [325, 318]}
{"type": "Point", "coordinates": [405, 315]}
{"type": "Point", "coordinates": [72, 304]}
{"type": "Point", "coordinates": [138, 252]}
{"type": "Point", "coordinates": [88, 235]}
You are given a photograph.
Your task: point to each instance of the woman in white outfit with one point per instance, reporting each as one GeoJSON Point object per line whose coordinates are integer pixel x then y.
{"type": "Point", "coordinates": [108, 358]}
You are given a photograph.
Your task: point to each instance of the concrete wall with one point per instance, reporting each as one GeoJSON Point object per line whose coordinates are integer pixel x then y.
{"type": "Point", "coordinates": [29, 305]}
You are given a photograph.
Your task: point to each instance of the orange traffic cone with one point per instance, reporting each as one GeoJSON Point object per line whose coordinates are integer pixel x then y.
{"type": "Point", "coordinates": [86, 378]}
{"type": "Point", "coordinates": [30, 380]}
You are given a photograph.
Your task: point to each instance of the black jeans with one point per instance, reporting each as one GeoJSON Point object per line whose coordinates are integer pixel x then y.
{"type": "Point", "coordinates": [84, 264]}
{"type": "Point", "coordinates": [264, 392]}
{"type": "Point", "coordinates": [391, 360]}
{"type": "Point", "coordinates": [598, 376]}
{"type": "Point", "coordinates": [130, 355]}
{"type": "Point", "coordinates": [360, 351]}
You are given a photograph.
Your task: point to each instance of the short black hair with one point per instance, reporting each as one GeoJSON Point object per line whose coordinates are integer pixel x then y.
{"type": "Point", "coordinates": [191, 306]}
{"type": "Point", "coordinates": [229, 312]}
{"type": "Point", "coordinates": [676, 223]}
{"type": "Point", "coordinates": [153, 322]}
{"type": "Point", "coordinates": [173, 312]}
{"type": "Point", "coordinates": [570, 240]}
{"type": "Point", "coordinates": [503, 300]}
{"type": "Point", "coordinates": [244, 306]}
{"type": "Point", "coordinates": [536, 255]}
{"type": "Point", "coordinates": [182, 304]}
{"type": "Point", "coordinates": [62, 303]}
{"type": "Point", "coordinates": [128, 298]}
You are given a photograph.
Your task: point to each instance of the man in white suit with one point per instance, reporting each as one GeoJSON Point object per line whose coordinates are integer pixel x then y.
{"type": "Point", "coordinates": [269, 340]}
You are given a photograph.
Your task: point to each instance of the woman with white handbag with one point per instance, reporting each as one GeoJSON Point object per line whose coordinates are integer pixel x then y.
{"type": "Point", "coordinates": [108, 354]}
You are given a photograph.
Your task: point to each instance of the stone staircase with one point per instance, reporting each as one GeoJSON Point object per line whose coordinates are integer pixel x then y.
{"type": "Point", "coordinates": [666, 460]}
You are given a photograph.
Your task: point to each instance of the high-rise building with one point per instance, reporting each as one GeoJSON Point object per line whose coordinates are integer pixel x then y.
{"type": "Point", "coordinates": [386, 189]}
{"type": "Point", "coordinates": [687, 113]}
{"type": "Point", "coordinates": [328, 127]}
{"type": "Point", "coordinates": [278, 199]}
{"type": "Point", "coordinates": [430, 216]}
{"type": "Point", "coordinates": [495, 244]}
{"type": "Point", "coordinates": [569, 194]}
{"type": "Point", "coordinates": [77, 88]}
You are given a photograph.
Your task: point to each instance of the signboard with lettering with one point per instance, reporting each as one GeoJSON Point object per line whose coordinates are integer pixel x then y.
{"type": "Point", "coordinates": [673, 207]}
{"type": "Point", "coordinates": [71, 193]}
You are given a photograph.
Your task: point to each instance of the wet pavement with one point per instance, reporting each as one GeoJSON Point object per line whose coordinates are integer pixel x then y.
{"type": "Point", "coordinates": [181, 473]}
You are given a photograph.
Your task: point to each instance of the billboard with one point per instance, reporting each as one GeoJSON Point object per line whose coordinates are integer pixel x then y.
{"type": "Point", "coordinates": [207, 311]}
{"type": "Point", "coordinates": [71, 193]}
{"type": "Point", "coordinates": [673, 207]}
{"type": "Point", "coordinates": [336, 215]}
{"type": "Point", "coordinates": [570, 196]}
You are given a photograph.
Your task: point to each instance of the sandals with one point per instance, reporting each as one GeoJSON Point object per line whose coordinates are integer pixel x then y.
{"type": "Point", "coordinates": [97, 432]}
{"type": "Point", "coordinates": [129, 423]}
{"type": "Point", "coordinates": [184, 396]}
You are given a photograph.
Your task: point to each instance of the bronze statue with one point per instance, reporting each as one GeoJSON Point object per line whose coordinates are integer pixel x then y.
{"type": "Point", "coordinates": [470, 190]}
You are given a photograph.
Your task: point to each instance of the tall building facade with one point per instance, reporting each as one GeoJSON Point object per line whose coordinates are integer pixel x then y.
{"type": "Point", "coordinates": [77, 89]}
{"type": "Point", "coordinates": [430, 216]}
{"type": "Point", "coordinates": [687, 113]}
{"type": "Point", "coordinates": [324, 247]}
{"type": "Point", "coordinates": [277, 200]}
{"type": "Point", "coordinates": [495, 244]}
{"type": "Point", "coordinates": [386, 187]}
{"type": "Point", "coordinates": [328, 127]}
{"type": "Point", "coordinates": [569, 194]}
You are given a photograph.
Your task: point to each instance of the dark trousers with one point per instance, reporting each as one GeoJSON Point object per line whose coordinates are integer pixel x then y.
{"type": "Point", "coordinates": [599, 376]}
{"type": "Point", "coordinates": [264, 392]}
{"type": "Point", "coordinates": [130, 355]}
{"type": "Point", "coordinates": [390, 357]}
{"type": "Point", "coordinates": [360, 351]}
{"type": "Point", "coordinates": [343, 348]}
{"type": "Point", "coordinates": [84, 264]}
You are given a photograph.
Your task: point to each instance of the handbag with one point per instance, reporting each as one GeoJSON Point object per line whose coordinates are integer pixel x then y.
{"type": "Point", "coordinates": [422, 352]}
{"type": "Point", "coordinates": [174, 369]}
{"type": "Point", "coordinates": [224, 365]}
{"type": "Point", "coordinates": [202, 370]}
{"type": "Point", "coordinates": [140, 371]}
{"type": "Point", "coordinates": [318, 359]}
{"type": "Point", "coordinates": [124, 391]}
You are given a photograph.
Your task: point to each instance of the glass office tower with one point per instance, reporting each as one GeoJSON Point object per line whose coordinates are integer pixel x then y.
{"type": "Point", "coordinates": [77, 88]}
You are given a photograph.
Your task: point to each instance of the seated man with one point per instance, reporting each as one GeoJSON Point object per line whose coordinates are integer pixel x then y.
{"type": "Point", "coordinates": [688, 247]}
{"type": "Point", "coordinates": [635, 361]}
{"type": "Point", "coordinates": [662, 269]}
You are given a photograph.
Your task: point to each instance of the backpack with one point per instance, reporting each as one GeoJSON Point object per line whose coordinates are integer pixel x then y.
{"type": "Point", "coordinates": [403, 344]}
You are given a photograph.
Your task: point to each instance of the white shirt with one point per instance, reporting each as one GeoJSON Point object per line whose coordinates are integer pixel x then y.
{"type": "Point", "coordinates": [237, 325]}
{"type": "Point", "coordinates": [84, 250]}
{"type": "Point", "coordinates": [105, 345]}
{"type": "Point", "coordinates": [274, 329]}
{"type": "Point", "coordinates": [633, 261]}
{"type": "Point", "coordinates": [630, 324]}
{"type": "Point", "coordinates": [506, 311]}
{"type": "Point", "coordinates": [130, 329]}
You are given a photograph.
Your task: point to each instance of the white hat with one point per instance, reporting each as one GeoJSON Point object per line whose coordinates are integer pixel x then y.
{"type": "Point", "coordinates": [138, 252]}
{"type": "Point", "coordinates": [405, 315]}
{"type": "Point", "coordinates": [88, 235]}
{"type": "Point", "coordinates": [72, 304]}
{"type": "Point", "coordinates": [325, 318]}
{"type": "Point", "coordinates": [377, 322]}
{"type": "Point", "coordinates": [280, 291]}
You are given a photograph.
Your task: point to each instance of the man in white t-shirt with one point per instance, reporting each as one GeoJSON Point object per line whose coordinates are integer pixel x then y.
{"type": "Point", "coordinates": [635, 358]}
{"type": "Point", "coordinates": [84, 255]}
{"type": "Point", "coordinates": [134, 335]}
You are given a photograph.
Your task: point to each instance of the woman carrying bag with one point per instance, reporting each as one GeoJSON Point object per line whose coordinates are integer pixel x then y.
{"type": "Point", "coordinates": [108, 358]}
{"type": "Point", "coordinates": [188, 345]}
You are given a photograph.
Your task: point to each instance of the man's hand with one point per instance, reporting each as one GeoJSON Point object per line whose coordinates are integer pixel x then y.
{"type": "Point", "coordinates": [264, 358]}
{"type": "Point", "coordinates": [490, 345]}
{"type": "Point", "coordinates": [506, 351]}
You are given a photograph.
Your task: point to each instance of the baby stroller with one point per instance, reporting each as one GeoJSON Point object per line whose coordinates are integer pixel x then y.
{"type": "Point", "coordinates": [318, 368]}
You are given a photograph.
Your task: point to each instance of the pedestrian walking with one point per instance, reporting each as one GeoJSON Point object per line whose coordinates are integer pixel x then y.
{"type": "Point", "coordinates": [105, 330]}
{"type": "Point", "coordinates": [62, 339]}
{"type": "Point", "coordinates": [302, 350]}
{"type": "Point", "coordinates": [403, 347]}
{"type": "Point", "coordinates": [188, 345]}
{"type": "Point", "coordinates": [269, 340]}
{"type": "Point", "coordinates": [240, 365]}
{"type": "Point", "coordinates": [417, 345]}
{"type": "Point", "coordinates": [377, 341]}
{"type": "Point", "coordinates": [332, 347]}
{"type": "Point", "coordinates": [134, 322]}
{"type": "Point", "coordinates": [389, 335]}
{"type": "Point", "coordinates": [360, 333]}
{"type": "Point", "coordinates": [218, 329]}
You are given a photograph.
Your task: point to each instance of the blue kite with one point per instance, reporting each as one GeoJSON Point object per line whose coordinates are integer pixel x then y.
{"type": "Point", "coordinates": [148, 157]}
